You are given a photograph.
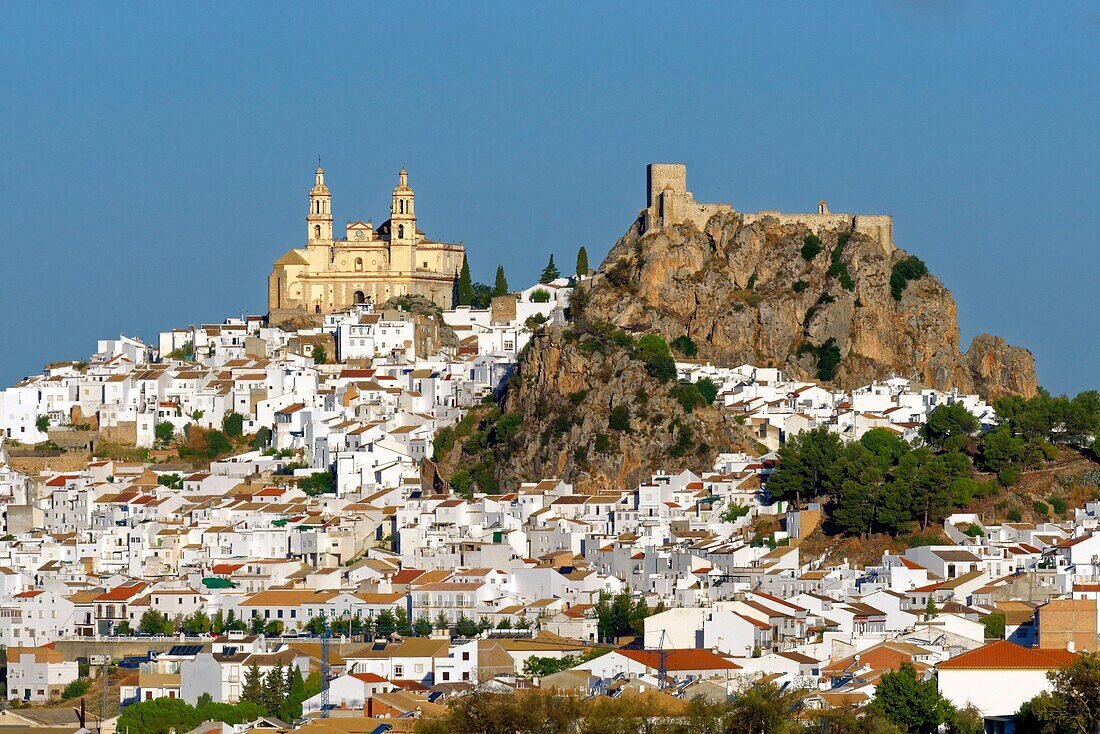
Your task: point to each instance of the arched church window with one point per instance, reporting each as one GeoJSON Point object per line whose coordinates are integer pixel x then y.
{"type": "Point", "coordinates": [401, 206]}
{"type": "Point", "coordinates": [401, 231]}
{"type": "Point", "coordinates": [358, 263]}
{"type": "Point", "coordinates": [360, 297]}
{"type": "Point", "coordinates": [316, 231]}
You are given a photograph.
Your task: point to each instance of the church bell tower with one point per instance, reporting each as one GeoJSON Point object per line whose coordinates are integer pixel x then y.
{"type": "Point", "coordinates": [319, 219]}
{"type": "Point", "coordinates": [403, 225]}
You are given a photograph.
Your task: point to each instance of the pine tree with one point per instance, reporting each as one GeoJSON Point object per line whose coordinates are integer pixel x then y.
{"type": "Point", "coordinates": [550, 272]}
{"type": "Point", "coordinates": [401, 620]}
{"type": "Point", "coordinates": [582, 261]}
{"type": "Point", "coordinates": [465, 284]}
{"type": "Point", "coordinates": [500, 288]}
{"type": "Point", "coordinates": [253, 688]}
{"type": "Point", "coordinates": [274, 689]}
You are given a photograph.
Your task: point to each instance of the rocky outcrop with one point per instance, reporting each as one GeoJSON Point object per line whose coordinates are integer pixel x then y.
{"type": "Point", "coordinates": [745, 293]}
{"type": "Point", "coordinates": [566, 391]}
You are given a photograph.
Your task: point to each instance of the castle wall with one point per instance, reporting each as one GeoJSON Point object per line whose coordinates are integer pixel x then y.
{"type": "Point", "coordinates": [879, 227]}
{"type": "Point", "coordinates": [668, 202]}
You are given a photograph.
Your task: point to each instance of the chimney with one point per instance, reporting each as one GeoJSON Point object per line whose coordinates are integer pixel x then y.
{"type": "Point", "coordinates": [1071, 646]}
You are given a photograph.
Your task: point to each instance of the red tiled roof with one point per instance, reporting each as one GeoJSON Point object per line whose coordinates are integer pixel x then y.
{"type": "Point", "coordinates": [368, 677]}
{"type": "Point", "coordinates": [122, 593]}
{"type": "Point", "coordinates": [680, 659]}
{"type": "Point", "coordinates": [1003, 655]}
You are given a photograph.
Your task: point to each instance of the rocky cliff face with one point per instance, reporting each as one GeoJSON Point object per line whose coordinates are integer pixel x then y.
{"type": "Point", "coordinates": [566, 390]}
{"type": "Point", "coordinates": [745, 293]}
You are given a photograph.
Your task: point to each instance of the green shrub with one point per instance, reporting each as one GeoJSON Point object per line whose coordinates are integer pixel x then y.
{"type": "Point", "coordinates": [811, 247]}
{"type": "Point", "coordinates": [619, 275]}
{"type": "Point", "coordinates": [540, 295]}
{"type": "Point", "coordinates": [799, 286]}
{"type": "Point", "coordinates": [911, 268]}
{"type": "Point", "coordinates": [752, 281]}
{"type": "Point", "coordinates": [688, 395]}
{"type": "Point", "coordinates": [1058, 505]}
{"type": "Point", "coordinates": [580, 454]}
{"type": "Point", "coordinates": [1014, 515]}
{"type": "Point", "coordinates": [233, 424]}
{"type": "Point", "coordinates": [75, 689]}
{"type": "Point", "coordinates": [602, 444]}
{"type": "Point", "coordinates": [653, 350]}
{"type": "Point", "coordinates": [619, 420]}
{"type": "Point", "coordinates": [707, 389]}
{"type": "Point", "coordinates": [1040, 507]}
{"type": "Point", "coordinates": [827, 354]}
{"type": "Point", "coordinates": [685, 346]}
{"type": "Point", "coordinates": [734, 511]}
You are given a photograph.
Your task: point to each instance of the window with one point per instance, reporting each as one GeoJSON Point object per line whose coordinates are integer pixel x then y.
{"type": "Point", "coordinates": [358, 263]}
{"type": "Point", "coordinates": [401, 231]}
{"type": "Point", "coordinates": [446, 675]}
{"type": "Point", "coordinates": [465, 656]}
{"type": "Point", "coordinates": [398, 671]}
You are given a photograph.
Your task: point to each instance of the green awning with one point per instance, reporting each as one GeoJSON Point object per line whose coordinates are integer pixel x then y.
{"type": "Point", "coordinates": [216, 583]}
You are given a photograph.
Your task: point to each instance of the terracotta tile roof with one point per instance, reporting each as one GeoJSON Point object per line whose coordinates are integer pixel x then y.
{"type": "Point", "coordinates": [681, 659]}
{"type": "Point", "coordinates": [123, 592]}
{"type": "Point", "coordinates": [1003, 655]}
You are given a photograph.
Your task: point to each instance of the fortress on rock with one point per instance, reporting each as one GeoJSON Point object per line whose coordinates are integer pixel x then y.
{"type": "Point", "coordinates": [668, 202]}
{"type": "Point", "coordinates": [368, 266]}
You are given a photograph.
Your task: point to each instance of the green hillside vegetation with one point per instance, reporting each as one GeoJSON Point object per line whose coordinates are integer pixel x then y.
{"type": "Point", "coordinates": [881, 484]}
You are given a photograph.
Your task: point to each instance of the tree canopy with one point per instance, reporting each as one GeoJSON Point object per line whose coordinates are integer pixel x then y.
{"type": "Point", "coordinates": [550, 272]}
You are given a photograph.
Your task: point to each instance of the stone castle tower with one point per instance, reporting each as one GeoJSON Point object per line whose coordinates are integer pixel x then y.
{"type": "Point", "coordinates": [368, 266]}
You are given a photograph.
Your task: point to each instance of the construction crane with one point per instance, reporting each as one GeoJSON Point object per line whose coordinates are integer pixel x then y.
{"type": "Point", "coordinates": [662, 661]}
{"type": "Point", "coordinates": [325, 670]}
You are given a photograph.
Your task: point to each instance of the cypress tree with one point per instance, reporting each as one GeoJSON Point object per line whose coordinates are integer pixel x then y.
{"type": "Point", "coordinates": [500, 288]}
{"type": "Point", "coordinates": [550, 272]}
{"type": "Point", "coordinates": [582, 261]}
{"type": "Point", "coordinates": [465, 284]}
{"type": "Point", "coordinates": [291, 706]}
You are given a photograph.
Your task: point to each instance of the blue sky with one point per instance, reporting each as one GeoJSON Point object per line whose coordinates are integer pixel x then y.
{"type": "Point", "coordinates": [154, 159]}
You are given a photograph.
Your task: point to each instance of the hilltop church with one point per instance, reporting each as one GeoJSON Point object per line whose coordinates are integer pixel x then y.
{"type": "Point", "coordinates": [368, 266]}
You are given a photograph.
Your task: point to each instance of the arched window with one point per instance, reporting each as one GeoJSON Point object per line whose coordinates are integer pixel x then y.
{"type": "Point", "coordinates": [360, 297]}
{"type": "Point", "coordinates": [401, 206]}
{"type": "Point", "coordinates": [358, 263]}
{"type": "Point", "coordinates": [316, 231]}
{"type": "Point", "coordinates": [401, 231]}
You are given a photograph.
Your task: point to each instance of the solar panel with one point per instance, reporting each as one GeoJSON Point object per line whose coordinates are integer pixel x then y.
{"type": "Point", "coordinates": [185, 650]}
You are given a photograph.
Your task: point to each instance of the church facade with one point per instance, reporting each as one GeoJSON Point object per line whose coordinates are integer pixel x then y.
{"type": "Point", "coordinates": [369, 266]}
